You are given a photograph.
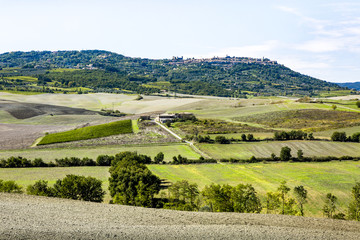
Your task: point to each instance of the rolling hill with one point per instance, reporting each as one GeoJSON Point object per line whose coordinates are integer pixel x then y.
{"type": "Point", "coordinates": [107, 71]}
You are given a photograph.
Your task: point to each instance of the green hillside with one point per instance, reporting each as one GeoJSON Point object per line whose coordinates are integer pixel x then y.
{"type": "Point", "coordinates": [107, 71]}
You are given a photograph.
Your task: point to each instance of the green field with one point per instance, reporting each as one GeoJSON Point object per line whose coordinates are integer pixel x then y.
{"type": "Point", "coordinates": [265, 149]}
{"type": "Point", "coordinates": [22, 78]}
{"type": "Point", "coordinates": [49, 154]}
{"type": "Point", "coordinates": [318, 178]}
{"type": "Point", "coordinates": [103, 130]}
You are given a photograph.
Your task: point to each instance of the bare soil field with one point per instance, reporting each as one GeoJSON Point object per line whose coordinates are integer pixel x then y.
{"type": "Point", "coordinates": [19, 136]}
{"type": "Point", "coordinates": [23, 110]}
{"type": "Point", "coordinates": [32, 217]}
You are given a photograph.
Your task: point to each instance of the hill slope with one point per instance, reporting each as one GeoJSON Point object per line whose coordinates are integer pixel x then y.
{"type": "Point", "coordinates": [351, 85]}
{"type": "Point", "coordinates": [33, 217]}
{"type": "Point", "coordinates": [229, 76]}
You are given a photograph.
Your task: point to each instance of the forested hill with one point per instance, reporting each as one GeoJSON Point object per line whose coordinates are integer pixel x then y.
{"type": "Point", "coordinates": [103, 70]}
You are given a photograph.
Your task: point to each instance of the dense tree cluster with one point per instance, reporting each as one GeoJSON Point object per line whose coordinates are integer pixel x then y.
{"type": "Point", "coordinates": [293, 135]}
{"type": "Point", "coordinates": [72, 187]}
{"type": "Point", "coordinates": [341, 137]}
{"type": "Point", "coordinates": [131, 182]}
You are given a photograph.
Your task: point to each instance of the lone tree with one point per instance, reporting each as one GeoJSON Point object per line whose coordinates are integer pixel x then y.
{"type": "Point", "coordinates": [283, 190]}
{"type": "Point", "coordinates": [285, 154]}
{"type": "Point", "coordinates": [300, 195]}
{"type": "Point", "coordinates": [354, 206]}
{"type": "Point", "coordinates": [358, 104]}
{"type": "Point", "coordinates": [159, 158]}
{"type": "Point", "coordinates": [300, 155]}
{"type": "Point", "coordinates": [330, 205]}
{"type": "Point", "coordinates": [131, 182]}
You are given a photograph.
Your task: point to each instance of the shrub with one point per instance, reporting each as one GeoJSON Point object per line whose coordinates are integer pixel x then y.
{"type": "Point", "coordinates": [10, 187]}
{"type": "Point", "coordinates": [104, 160]}
{"type": "Point", "coordinates": [40, 188]}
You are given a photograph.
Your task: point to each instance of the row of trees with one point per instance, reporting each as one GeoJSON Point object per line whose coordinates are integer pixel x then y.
{"type": "Point", "coordinates": [293, 135]}
{"type": "Point", "coordinates": [341, 137]}
{"type": "Point", "coordinates": [101, 160]}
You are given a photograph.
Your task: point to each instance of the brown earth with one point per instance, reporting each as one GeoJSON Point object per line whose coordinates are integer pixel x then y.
{"type": "Point", "coordinates": [32, 217]}
{"type": "Point", "coordinates": [21, 110]}
{"type": "Point", "coordinates": [19, 136]}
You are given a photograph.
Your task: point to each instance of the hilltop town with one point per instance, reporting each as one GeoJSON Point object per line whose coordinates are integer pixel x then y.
{"type": "Point", "coordinates": [222, 60]}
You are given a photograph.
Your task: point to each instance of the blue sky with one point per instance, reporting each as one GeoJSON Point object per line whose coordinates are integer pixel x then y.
{"type": "Point", "coordinates": [320, 38]}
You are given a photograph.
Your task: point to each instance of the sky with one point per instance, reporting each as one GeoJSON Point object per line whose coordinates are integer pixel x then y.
{"type": "Point", "coordinates": [320, 38]}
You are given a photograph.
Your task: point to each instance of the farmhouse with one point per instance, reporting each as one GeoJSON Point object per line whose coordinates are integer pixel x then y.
{"type": "Point", "coordinates": [171, 117]}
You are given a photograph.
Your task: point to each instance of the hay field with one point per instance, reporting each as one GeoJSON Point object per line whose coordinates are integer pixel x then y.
{"type": "Point", "coordinates": [265, 149]}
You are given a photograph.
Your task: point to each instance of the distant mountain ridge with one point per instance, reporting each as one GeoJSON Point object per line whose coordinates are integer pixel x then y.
{"type": "Point", "coordinates": [228, 76]}
{"type": "Point", "coordinates": [350, 85]}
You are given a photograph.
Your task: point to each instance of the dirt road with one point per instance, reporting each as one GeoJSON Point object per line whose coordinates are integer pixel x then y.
{"type": "Point", "coordinates": [30, 217]}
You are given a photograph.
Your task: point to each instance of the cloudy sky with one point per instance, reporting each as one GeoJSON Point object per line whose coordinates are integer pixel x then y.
{"type": "Point", "coordinates": [320, 38]}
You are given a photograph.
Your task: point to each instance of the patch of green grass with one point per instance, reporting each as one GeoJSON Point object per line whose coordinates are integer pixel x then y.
{"type": "Point", "coordinates": [90, 132]}
{"type": "Point", "coordinates": [334, 93]}
{"type": "Point", "coordinates": [63, 70]}
{"type": "Point", "coordinates": [22, 92]}
{"type": "Point", "coordinates": [22, 78]}
{"type": "Point", "coordinates": [50, 154]}
{"type": "Point", "coordinates": [135, 126]}
{"type": "Point", "coordinates": [265, 149]}
{"type": "Point", "coordinates": [348, 130]}
{"type": "Point", "coordinates": [318, 178]}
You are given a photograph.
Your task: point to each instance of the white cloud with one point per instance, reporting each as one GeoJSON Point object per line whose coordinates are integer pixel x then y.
{"type": "Point", "coordinates": [321, 45]}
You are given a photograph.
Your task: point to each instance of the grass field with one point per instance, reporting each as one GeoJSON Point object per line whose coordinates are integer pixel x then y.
{"type": "Point", "coordinates": [318, 178]}
{"type": "Point", "coordinates": [103, 130]}
{"type": "Point", "coordinates": [306, 119]}
{"type": "Point", "coordinates": [49, 154]}
{"type": "Point", "coordinates": [264, 149]}
{"type": "Point", "coordinates": [135, 126]}
{"type": "Point", "coordinates": [22, 78]}
{"type": "Point", "coordinates": [348, 130]}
